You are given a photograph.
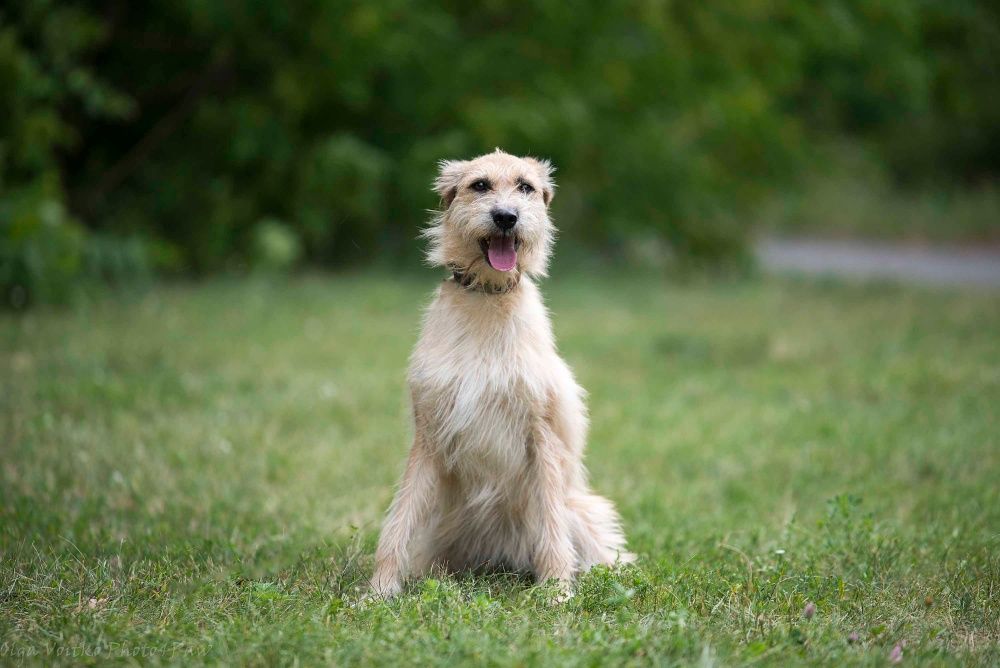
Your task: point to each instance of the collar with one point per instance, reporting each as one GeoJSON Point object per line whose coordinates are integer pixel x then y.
{"type": "Point", "coordinates": [471, 284]}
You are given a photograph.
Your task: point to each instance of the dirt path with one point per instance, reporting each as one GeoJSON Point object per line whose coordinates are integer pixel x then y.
{"type": "Point", "coordinates": [867, 260]}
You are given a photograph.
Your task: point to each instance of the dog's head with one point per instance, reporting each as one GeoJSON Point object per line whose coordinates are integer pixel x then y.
{"type": "Point", "coordinates": [495, 223]}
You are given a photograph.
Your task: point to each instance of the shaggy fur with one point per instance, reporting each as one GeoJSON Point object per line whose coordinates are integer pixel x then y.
{"type": "Point", "coordinates": [495, 476]}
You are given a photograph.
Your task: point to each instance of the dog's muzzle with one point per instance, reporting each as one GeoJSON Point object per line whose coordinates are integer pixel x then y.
{"type": "Point", "coordinates": [500, 250]}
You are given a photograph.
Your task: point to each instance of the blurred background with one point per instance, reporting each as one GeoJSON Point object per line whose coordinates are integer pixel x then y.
{"type": "Point", "coordinates": [210, 279]}
{"type": "Point", "coordinates": [185, 138]}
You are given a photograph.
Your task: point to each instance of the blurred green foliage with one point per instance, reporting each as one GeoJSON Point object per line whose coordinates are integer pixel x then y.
{"type": "Point", "coordinates": [187, 123]}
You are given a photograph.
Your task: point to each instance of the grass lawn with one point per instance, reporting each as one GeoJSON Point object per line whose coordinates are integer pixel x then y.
{"type": "Point", "coordinates": [854, 208]}
{"type": "Point", "coordinates": [852, 196]}
{"type": "Point", "coordinates": [198, 474]}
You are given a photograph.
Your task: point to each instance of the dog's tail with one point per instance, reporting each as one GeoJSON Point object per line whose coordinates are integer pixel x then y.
{"type": "Point", "coordinates": [598, 536]}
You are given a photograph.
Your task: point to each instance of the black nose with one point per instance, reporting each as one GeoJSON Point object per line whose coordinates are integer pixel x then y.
{"type": "Point", "coordinates": [504, 218]}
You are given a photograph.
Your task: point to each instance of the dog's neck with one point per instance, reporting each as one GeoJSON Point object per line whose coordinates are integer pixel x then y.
{"type": "Point", "coordinates": [473, 283]}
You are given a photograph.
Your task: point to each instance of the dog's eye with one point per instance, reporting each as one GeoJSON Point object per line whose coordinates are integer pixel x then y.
{"type": "Point", "coordinates": [480, 186]}
{"type": "Point", "coordinates": [525, 188]}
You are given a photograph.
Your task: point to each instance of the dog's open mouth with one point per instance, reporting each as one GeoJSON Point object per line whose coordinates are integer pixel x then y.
{"type": "Point", "coordinates": [501, 250]}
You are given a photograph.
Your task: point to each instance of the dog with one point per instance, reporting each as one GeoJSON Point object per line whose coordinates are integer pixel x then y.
{"type": "Point", "coordinates": [495, 477]}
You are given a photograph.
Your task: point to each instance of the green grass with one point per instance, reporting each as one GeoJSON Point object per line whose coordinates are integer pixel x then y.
{"type": "Point", "coordinates": [198, 474]}
{"type": "Point", "coordinates": [852, 196]}
{"type": "Point", "coordinates": [852, 208]}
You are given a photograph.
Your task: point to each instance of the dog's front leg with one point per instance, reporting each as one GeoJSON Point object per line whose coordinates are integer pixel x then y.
{"type": "Point", "coordinates": [554, 555]}
{"type": "Point", "coordinates": [408, 512]}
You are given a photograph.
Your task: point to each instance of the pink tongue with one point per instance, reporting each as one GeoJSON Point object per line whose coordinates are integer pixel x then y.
{"type": "Point", "coordinates": [501, 253]}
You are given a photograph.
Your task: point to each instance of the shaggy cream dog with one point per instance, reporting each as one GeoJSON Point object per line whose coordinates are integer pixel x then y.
{"type": "Point", "coordinates": [495, 476]}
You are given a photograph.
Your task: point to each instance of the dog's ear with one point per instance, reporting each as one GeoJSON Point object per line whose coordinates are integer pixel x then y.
{"type": "Point", "coordinates": [450, 173]}
{"type": "Point", "coordinates": [545, 170]}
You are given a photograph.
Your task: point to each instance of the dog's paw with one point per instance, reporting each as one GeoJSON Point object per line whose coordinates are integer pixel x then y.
{"type": "Point", "coordinates": [383, 589]}
{"type": "Point", "coordinates": [560, 588]}
{"type": "Point", "coordinates": [563, 594]}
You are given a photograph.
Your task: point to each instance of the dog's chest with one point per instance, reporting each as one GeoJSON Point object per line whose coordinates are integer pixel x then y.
{"type": "Point", "coordinates": [478, 395]}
